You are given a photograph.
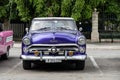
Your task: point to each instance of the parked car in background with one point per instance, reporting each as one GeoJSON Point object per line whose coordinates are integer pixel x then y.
{"type": "Point", "coordinates": [54, 40]}
{"type": "Point", "coordinates": [6, 42]}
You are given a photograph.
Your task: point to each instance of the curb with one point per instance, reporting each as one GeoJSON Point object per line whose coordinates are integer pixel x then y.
{"type": "Point", "coordinates": [103, 46]}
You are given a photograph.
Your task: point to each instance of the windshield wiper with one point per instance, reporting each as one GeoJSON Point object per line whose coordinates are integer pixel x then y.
{"type": "Point", "coordinates": [44, 28]}
{"type": "Point", "coordinates": [63, 28]}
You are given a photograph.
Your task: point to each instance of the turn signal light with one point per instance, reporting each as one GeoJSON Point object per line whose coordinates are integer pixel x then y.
{"type": "Point", "coordinates": [70, 53]}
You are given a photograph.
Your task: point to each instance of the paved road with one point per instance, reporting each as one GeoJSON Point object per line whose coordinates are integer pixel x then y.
{"type": "Point", "coordinates": [102, 64]}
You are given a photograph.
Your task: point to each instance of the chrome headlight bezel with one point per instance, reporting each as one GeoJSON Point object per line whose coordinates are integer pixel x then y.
{"type": "Point", "coordinates": [26, 41]}
{"type": "Point", "coordinates": [81, 40]}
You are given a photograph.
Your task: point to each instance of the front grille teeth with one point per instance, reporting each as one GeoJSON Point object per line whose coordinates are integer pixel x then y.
{"type": "Point", "coordinates": [59, 47]}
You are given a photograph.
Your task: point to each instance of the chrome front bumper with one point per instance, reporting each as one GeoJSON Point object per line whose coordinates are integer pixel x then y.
{"type": "Point", "coordinates": [78, 57]}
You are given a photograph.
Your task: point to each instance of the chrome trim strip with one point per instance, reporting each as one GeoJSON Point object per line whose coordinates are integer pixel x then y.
{"type": "Point", "coordinates": [53, 45]}
{"type": "Point", "coordinates": [65, 55]}
{"type": "Point", "coordinates": [40, 55]}
{"type": "Point", "coordinates": [80, 57]}
{"type": "Point", "coordinates": [56, 18]}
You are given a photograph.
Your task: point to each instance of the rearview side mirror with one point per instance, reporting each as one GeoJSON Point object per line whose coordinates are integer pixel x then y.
{"type": "Point", "coordinates": [26, 29]}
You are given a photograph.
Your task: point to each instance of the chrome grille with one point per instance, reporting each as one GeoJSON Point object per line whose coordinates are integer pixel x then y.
{"type": "Point", "coordinates": [59, 47]}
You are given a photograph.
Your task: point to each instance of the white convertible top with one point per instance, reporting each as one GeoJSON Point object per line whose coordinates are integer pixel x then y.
{"type": "Point", "coordinates": [41, 18]}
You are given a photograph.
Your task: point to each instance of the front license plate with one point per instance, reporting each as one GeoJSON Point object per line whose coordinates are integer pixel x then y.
{"type": "Point", "coordinates": [53, 61]}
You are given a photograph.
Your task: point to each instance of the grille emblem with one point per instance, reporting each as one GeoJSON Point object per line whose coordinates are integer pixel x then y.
{"type": "Point", "coordinates": [54, 49]}
{"type": "Point", "coordinates": [53, 41]}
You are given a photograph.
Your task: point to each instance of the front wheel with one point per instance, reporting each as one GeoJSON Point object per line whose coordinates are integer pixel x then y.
{"type": "Point", "coordinates": [80, 65]}
{"type": "Point", "coordinates": [26, 65]}
{"type": "Point", "coordinates": [6, 55]}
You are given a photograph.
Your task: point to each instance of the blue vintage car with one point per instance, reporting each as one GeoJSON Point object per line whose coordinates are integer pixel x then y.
{"type": "Point", "coordinates": [54, 40]}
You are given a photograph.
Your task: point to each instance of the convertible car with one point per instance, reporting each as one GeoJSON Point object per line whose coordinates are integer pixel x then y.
{"type": "Point", "coordinates": [54, 40]}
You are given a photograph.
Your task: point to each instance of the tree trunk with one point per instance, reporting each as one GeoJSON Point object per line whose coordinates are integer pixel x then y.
{"type": "Point", "coordinates": [6, 24]}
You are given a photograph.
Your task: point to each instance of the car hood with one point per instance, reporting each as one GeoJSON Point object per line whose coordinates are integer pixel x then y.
{"type": "Point", "coordinates": [53, 37]}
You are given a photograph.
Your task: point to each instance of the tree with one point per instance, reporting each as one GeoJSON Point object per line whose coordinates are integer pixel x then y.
{"type": "Point", "coordinates": [22, 7]}
{"type": "Point", "coordinates": [77, 9]}
{"type": "Point", "coordinates": [4, 9]}
{"type": "Point", "coordinates": [87, 12]}
{"type": "Point", "coordinates": [7, 12]}
{"type": "Point", "coordinates": [54, 7]}
{"type": "Point", "coordinates": [39, 7]}
{"type": "Point", "coordinates": [66, 8]}
{"type": "Point", "coordinates": [94, 3]}
{"type": "Point", "coordinates": [112, 7]}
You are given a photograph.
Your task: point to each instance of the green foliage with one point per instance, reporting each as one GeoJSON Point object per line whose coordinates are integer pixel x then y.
{"type": "Point", "coordinates": [66, 8]}
{"type": "Point", "coordinates": [13, 13]}
{"type": "Point", "coordinates": [94, 3]}
{"type": "Point", "coordinates": [4, 2]}
{"type": "Point", "coordinates": [22, 7]}
{"type": "Point", "coordinates": [77, 9]}
{"type": "Point", "coordinates": [87, 12]}
{"type": "Point", "coordinates": [4, 9]}
{"type": "Point", "coordinates": [54, 9]}
{"type": "Point", "coordinates": [114, 8]}
{"type": "Point", "coordinates": [102, 2]}
{"type": "Point", "coordinates": [39, 7]}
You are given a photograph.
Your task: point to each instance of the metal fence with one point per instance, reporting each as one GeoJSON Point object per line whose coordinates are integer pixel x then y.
{"type": "Point", "coordinates": [109, 27]}
{"type": "Point", "coordinates": [87, 28]}
{"type": "Point", "coordinates": [18, 29]}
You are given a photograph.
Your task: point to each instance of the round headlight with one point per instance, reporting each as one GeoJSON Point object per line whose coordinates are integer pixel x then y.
{"type": "Point", "coordinates": [81, 40]}
{"type": "Point", "coordinates": [26, 41]}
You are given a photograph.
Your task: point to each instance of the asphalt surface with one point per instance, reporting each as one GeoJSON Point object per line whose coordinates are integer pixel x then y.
{"type": "Point", "coordinates": [103, 63]}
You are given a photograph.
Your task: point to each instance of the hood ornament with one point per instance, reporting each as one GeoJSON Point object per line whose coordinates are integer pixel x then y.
{"type": "Point", "coordinates": [53, 40]}
{"type": "Point", "coordinates": [53, 37]}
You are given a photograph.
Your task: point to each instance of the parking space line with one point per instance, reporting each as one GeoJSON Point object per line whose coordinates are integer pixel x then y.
{"type": "Point", "coordinates": [13, 68]}
{"type": "Point", "coordinates": [95, 64]}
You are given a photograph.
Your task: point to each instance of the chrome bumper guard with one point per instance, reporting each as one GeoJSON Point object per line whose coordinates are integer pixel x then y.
{"type": "Point", "coordinates": [78, 57]}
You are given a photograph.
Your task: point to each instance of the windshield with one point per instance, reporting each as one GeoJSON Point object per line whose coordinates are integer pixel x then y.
{"type": "Point", "coordinates": [53, 25]}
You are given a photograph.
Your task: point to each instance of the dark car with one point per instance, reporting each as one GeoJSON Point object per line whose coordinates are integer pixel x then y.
{"type": "Point", "coordinates": [54, 40]}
